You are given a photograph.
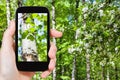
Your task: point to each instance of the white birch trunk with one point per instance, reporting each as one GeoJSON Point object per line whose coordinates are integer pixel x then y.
{"type": "Point", "coordinates": [14, 6]}
{"type": "Point", "coordinates": [76, 37]}
{"type": "Point", "coordinates": [108, 76]}
{"type": "Point", "coordinates": [28, 46]}
{"type": "Point", "coordinates": [53, 26]}
{"type": "Point", "coordinates": [102, 73]}
{"type": "Point", "coordinates": [63, 70]}
{"type": "Point", "coordinates": [74, 68]}
{"type": "Point", "coordinates": [19, 3]}
{"type": "Point", "coordinates": [8, 11]}
{"type": "Point", "coordinates": [116, 72]}
{"type": "Point", "coordinates": [88, 66]}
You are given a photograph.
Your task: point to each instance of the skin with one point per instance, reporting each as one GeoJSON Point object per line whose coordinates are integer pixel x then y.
{"type": "Point", "coordinates": [8, 70]}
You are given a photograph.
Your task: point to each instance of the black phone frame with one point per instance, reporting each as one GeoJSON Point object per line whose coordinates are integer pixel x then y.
{"type": "Point", "coordinates": [32, 66]}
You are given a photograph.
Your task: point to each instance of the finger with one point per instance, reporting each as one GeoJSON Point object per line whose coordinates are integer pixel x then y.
{"type": "Point", "coordinates": [55, 33]}
{"type": "Point", "coordinates": [8, 36]}
{"type": "Point", "coordinates": [45, 73]}
{"type": "Point", "coordinates": [52, 51]}
{"type": "Point", "coordinates": [11, 28]}
{"type": "Point", "coordinates": [52, 64]}
{"type": "Point", "coordinates": [51, 67]}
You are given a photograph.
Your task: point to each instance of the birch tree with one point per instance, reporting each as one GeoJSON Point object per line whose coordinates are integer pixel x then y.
{"type": "Point", "coordinates": [53, 27]}
{"type": "Point", "coordinates": [20, 3]}
{"type": "Point", "coordinates": [29, 50]}
{"type": "Point", "coordinates": [88, 66]}
{"type": "Point", "coordinates": [8, 11]}
{"type": "Point", "coordinates": [87, 43]}
{"type": "Point", "coordinates": [76, 37]}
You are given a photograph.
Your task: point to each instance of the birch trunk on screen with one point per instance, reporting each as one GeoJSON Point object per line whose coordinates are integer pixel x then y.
{"type": "Point", "coordinates": [28, 46]}
{"type": "Point", "coordinates": [29, 49]}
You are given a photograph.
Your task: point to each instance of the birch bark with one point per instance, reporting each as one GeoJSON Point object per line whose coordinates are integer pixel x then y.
{"type": "Point", "coordinates": [53, 27]}
{"type": "Point", "coordinates": [8, 11]}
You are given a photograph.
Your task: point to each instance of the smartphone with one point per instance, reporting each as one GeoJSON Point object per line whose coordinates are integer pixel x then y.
{"type": "Point", "coordinates": [32, 38]}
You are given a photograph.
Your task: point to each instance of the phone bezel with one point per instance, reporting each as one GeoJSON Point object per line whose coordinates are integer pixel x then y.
{"type": "Point", "coordinates": [32, 66]}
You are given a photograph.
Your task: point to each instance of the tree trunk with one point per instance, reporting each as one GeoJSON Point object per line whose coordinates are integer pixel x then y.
{"type": "Point", "coordinates": [74, 68]}
{"type": "Point", "coordinates": [29, 47]}
{"type": "Point", "coordinates": [76, 23]}
{"type": "Point", "coordinates": [8, 11]}
{"type": "Point", "coordinates": [116, 72]}
{"type": "Point", "coordinates": [83, 1]}
{"type": "Point", "coordinates": [103, 72]}
{"type": "Point", "coordinates": [108, 76]}
{"type": "Point", "coordinates": [108, 1]}
{"type": "Point", "coordinates": [63, 70]}
{"type": "Point", "coordinates": [88, 66]}
{"type": "Point", "coordinates": [76, 12]}
{"type": "Point", "coordinates": [19, 3]}
{"type": "Point", "coordinates": [53, 27]}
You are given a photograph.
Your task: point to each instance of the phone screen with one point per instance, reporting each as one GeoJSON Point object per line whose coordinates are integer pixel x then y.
{"type": "Point", "coordinates": [32, 37]}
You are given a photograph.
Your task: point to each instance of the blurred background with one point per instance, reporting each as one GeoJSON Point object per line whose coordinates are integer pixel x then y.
{"type": "Point", "coordinates": [90, 46]}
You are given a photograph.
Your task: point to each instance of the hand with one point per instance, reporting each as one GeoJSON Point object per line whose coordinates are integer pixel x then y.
{"type": "Point", "coordinates": [8, 69]}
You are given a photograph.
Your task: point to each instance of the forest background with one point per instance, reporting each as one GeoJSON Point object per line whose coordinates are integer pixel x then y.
{"type": "Point", "coordinates": [90, 46]}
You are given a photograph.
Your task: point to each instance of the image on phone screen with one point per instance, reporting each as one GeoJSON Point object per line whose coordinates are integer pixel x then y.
{"type": "Point", "coordinates": [32, 37]}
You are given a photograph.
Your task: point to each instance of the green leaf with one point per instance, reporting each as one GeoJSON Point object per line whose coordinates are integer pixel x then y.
{"type": "Point", "coordinates": [28, 20]}
{"type": "Point", "coordinates": [39, 27]}
{"type": "Point", "coordinates": [30, 37]}
{"type": "Point", "coordinates": [24, 34]}
{"type": "Point", "coordinates": [34, 15]}
{"type": "Point", "coordinates": [32, 30]}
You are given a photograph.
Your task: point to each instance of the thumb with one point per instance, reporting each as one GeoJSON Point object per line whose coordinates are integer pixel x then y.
{"type": "Point", "coordinates": [7, 41]}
